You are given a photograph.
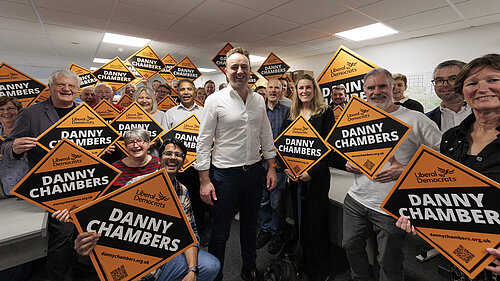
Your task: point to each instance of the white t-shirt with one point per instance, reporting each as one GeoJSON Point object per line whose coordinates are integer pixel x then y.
{"type": "Point", "coordinates": [371, 193]}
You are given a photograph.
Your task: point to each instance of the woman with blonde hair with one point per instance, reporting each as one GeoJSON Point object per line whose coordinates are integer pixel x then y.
{"type": "Point", "coordinates": [310, 189]}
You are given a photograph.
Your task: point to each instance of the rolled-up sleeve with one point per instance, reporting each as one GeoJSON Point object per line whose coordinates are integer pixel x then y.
{"type": "Point", "coordinates": [206, 135]}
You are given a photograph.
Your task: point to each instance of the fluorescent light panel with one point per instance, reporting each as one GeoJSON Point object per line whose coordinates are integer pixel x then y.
{"type": "Point", "coordinates": [201, 69]}
{"type": "Point", "coordinates": [367, 32]}
{"type": "Point", "coordinates": [99, 60]}
{"type": "Point", "coordinates": [125, 40]}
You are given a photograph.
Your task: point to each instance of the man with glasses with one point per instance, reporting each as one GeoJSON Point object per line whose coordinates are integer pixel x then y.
{"type": "Point", "coordinates": [161, 92]}
{"type": "Point", "coordinates": [30, 123]}
{"type": "Point", "coordinates": [453, 109]}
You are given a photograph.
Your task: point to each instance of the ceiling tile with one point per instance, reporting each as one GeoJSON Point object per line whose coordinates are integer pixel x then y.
{"type": "Point", "coordinates": [131, 29]}
{"type": "Point", "coordinates": [485, 20]}
{"type": "Point", "coordinates": [94, 8]}
{"type": "Point", "coordinates": [236, 35]}
{"type": "Point", "coordinates": [300, 34]}
{"type": "Point", "coordinates": [144, 16]}
{"type": "Point", "coordinates": [324, 42]}
{"type": "Point", "coordinates": [438, 29]}
{"type": "Point", "coordinates": [50, 16]}
{"type": "Point", "coordinates": [479, 8]}
{"type": "Point", "coordinates": [24, 26]}
{"type": "Point", "coordinates": [259, 5]}
{"type": "Point", "coordinates": [423, 20]}
{"type": "Point", "coordinates": [20, 11]}
{"type": "Point", "coordinates": [230, 14]}
{"type": "Point", "coordinates": [267, 24]}
{"type": "Point", "coordinates": [294, 10]}
{"type": "Point", "coordinates": [292, 51]}
{"type": "Point", "coordinates": [341, 22]}
{"type": "Point", "coordinates": [176, 7]}
{"type": "Point", "coordinates": [62, 38]}
{"type": "Point", "coordinates": [394, 9]}
{"type": "Point", "coordinates": [197, 28]}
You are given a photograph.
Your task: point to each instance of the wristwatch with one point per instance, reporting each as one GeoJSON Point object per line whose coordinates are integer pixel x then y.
{"type": "Point", "coordinates": [194, 269]}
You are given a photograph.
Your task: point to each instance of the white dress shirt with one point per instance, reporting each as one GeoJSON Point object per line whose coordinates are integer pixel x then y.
{"type": "Point", "coordinates": [450, 118]}
{"type": "Point", "coordinates": [240, 129]}
{"type": "Point", "coordinates": [179, 113]}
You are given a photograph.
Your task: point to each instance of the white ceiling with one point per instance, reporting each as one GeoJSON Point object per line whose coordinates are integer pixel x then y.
{"type": "Point", "coordinates": [56, 33]}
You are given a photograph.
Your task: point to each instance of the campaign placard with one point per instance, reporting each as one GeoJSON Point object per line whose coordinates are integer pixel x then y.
{"type": "Point", "coordinates": [366, 135]}
{"type": "Point", "coordinates": [138, 77]}
{"type": "Point", "coordinates": [142, 226]}
{"type": "Point", "coordinates": [125, 100]}
{"type": "Point", "coordinates": [87, 78]}
{"type": "Point", "coordinates": [166, 103]}
{"type": "Point", "coordinates": [273, 67]}
{"type": "Point", "coordinates": [337, 111]}
{"type": "Point", "coordinates": [115, 73]}
{"type": "Point", "coordinates": [135, 117]}
{"type": "Point", "coordinates": [45, 94]}
{"type": "Point", "coordinates": [66, 178]}
{"type": "Point", "coordinates": [252, 79]}
{"type": "Point", "coordinates": [300, 146]}
{"type": "Point", "coordinates": [186, 131]}
{"type": "Point", "coordinates": [185, 69]}
{"type": "Point", "coordinates": [199, 102]}
{"type": "Point", "coordinates": [14, 83]}
{"type": "Point", "coordinates": [452, 207]}
{"type": "Point", "coordinates": [84, 127]}
{"type": "Point", "coordinates": [345, 68]}
{"type": "Point", "coordinates": [146, 62]}
{"type": "Point", "coordinates": [220, 59]}
{"type": "Point", "coordinates": [106, 110]}
{"type": "Point", "coordinates": [169, 62]}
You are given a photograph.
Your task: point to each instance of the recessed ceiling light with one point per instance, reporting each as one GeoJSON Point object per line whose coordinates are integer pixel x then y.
{"type": "Point", "coordinates": [367, 32]}
{"type": "Point", "coordinates": [201, 69]}
{"type": "Point", "coordinates": [254, 58]}
{"type": "Point", "coordinates": [99, 60]}
{"type": "Point", "coordinates": [125, 40]}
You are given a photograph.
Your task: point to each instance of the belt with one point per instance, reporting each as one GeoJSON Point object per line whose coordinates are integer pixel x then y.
{"type": "Point", "coordinates": [245, 168]}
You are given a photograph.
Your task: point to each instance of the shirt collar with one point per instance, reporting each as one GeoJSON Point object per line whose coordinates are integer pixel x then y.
{"type": "Point", "coordinates": [195, 106]}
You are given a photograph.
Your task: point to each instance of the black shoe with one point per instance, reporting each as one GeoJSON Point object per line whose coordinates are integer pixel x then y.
{"type": "Point", "coordinates": [262, 239]}
{"type": "Point", "coordinates": [251, 274]}
{"type": "Point", "coordinates": [275, 245]}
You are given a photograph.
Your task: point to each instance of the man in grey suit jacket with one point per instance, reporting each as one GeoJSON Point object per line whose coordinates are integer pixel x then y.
{"type": "Point", "coordinates": [30, 123]}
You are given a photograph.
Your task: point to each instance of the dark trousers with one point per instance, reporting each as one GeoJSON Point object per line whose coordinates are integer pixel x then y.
{"type": "Point", "coordinates": [191, 180]}
{"type": "Point", "coordinates": [233, 186]}
{"type": "Point", "coordinates": [60, 252]}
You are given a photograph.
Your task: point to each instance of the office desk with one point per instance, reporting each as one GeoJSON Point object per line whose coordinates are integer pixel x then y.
{"type": "Point", "coordinates": [23, 232]}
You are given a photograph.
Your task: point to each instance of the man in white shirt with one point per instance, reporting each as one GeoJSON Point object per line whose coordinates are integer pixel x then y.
{"type": "Point", "coordinates": [235, 118]}
{"type": "Point", "coordinates": [362, 214]}
{"type": "Point", "coordinates": [453, 109]}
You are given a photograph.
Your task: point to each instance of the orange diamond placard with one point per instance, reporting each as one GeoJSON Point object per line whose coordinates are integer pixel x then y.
{"type": "Point", "coordinates": [185, 69]}
{"type": "Point", "coordinates": [14, 83]}
{"type": "Point", "coordinates": [452, 207]}
{"type": "Point", "coordinates": [273, 67]}
{"type": "Point", "coordinates": [84, 127]}
{"type": "Point", "coordinates": [87, 78]}
{"type": "Point", "coordinates": [166, 103]}
{"type": "Point", "coordinates": [220, 59]}
{"type": "Point", "coordinates": [366, 135]}
{"type": "Point", "coordinates": [186, 131]}
{"type": "Point", "coordinates": [337, 111]}
{"type": "Point", "coordinates": [133, 117]}
{"type": "Point", "coordinates": [169, 62]}
{"type": "Point", "coordinates": [146, 62]}
{"type": "Point", "coordinates": [66, 178]}
{"type": "Point", "coordinates": [142, 225]}
{"type": "Point", "coordinates": [345, 68]}
{"type": "Point", "coordinates": [115, 73]}
{"type": "Point", "coordinates": [125, 101]}
{"type": "Point", "coordinates": [106, 110]}
{"type": "Point", "coordinates": [300, 146]}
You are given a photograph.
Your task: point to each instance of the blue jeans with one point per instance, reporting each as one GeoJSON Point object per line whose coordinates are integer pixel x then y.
{"type": "Point", "coordinates": [233, 186]}
{"type": "Point", "coordinates": [359, 222]}
{"type": "Point", "coordinates": [177, 267]}
{"type": "Point", "coordinates": [272, 206]}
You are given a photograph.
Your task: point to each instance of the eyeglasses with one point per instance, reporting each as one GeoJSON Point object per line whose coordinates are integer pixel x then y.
{"type": "Point", "coordinates": [170, 153]}
{"type": "Point", "coordinates": [2, 110]}
{"type": "Point", "coordinates": [440, 81]}
{"type": "Point", "coordinates": [62, 85]}
{"type": "Point", "coordinates": [138, 142]}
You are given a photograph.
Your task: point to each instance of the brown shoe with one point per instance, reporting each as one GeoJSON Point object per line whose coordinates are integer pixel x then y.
{"type": "Point", "coordinates": [250, 274]}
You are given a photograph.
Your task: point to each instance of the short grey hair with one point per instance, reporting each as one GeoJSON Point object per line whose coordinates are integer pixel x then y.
{"type": "Point", "coordinates": [104, 84]}
{"type": "Point", "coordinates": [87, 88]}
{"type": "Point", "coordinates": [150, 93]}
{"type": "Point", "coordinates": [136, 133]}
{"type": "Point", "coordinates": [65, 72]}
{"type": "Point", "coordinates": [458, 63]}
{"type": "Point", "coordinates": [380, 71]}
